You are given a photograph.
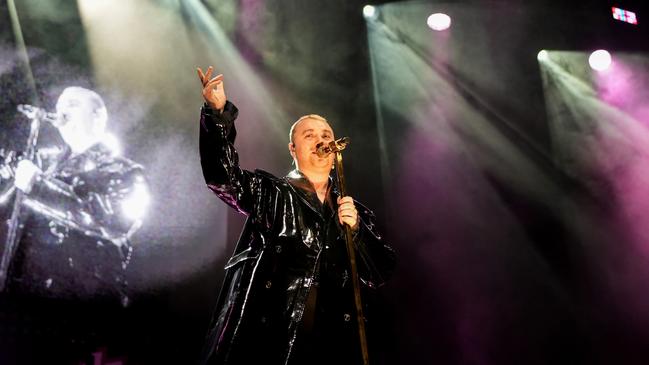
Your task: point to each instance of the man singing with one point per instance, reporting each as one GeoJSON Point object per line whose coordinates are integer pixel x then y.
{"type": "Point", "coordinates": [287, 296]}
{"type": "Point", "coordinates": [81, 203]}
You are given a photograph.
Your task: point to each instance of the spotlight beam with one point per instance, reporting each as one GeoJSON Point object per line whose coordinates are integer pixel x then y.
{"type": "Point", "coordinates": [380, 122]}
{"type": "Point", "coordinates": [22, 51]}
{"type": "Point", "coordinates": [243, 73]}
{"type": "Point", "coordinates": [525, 144]}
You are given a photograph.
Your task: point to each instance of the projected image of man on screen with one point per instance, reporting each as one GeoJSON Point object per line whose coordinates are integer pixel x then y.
{"type": "Point", "coordinates": [72, 204]}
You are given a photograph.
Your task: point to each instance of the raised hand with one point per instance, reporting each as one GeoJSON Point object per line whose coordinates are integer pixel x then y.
{"type": "Point", "coordinates": [213, 89]}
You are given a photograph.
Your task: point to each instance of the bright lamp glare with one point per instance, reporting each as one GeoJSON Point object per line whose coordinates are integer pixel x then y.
{"type": "Point", "coordinates": [600, 60]}
{"type": "Point", "coordinates": [439, 21]}
{"type": "Point", "coordinates": [136, 204]}
{"type": "Point", "coordinates": [370, 12]}
{"type": "Point", "coordinates": [543, 55]}
{"type": "Point", "coordinates": [112, 143]}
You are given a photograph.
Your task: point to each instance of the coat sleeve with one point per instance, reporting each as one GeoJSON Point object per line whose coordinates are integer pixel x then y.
{"type": "Point", "coordinates": [376, 258]}
{"type": "Point", "coordinates": [106, 202]}
{"type": "Point", "coordinates": [237, 187]}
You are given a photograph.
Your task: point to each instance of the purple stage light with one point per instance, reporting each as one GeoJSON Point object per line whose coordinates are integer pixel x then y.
{"type": "Point", "coordinates": [600, 60]}
{"type": "Point", "coordinates": [624, 16]}
{"type": "Point", "coordinates": [439, 21]}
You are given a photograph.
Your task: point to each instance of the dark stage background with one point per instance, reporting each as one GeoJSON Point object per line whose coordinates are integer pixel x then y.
{"type": "Point", "coordinates": [513, 189]}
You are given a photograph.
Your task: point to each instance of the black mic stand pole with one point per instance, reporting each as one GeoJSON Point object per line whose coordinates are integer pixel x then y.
{"type": "Point", "coordinates": [351, 253]}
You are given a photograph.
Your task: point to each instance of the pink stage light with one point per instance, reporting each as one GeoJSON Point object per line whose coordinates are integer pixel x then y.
{"type": "Point", "coordinates": [625, 16]}
{"type": "Point", "coordinates": [600, 60]}
{"type": "Point", "coordinates": [439, 21]}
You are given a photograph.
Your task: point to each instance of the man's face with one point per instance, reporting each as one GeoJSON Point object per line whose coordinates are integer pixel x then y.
{"type": "Point", "coordinates": [81, 121]}
{"type": "Point", "coordinates": [76, 113]}
{"type": "Point", "coordinates": [307, 134]}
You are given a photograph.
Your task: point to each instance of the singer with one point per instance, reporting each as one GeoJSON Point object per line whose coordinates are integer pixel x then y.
{"type": "Point", "coordinates": [286, 296]}
{"type": "Point", "coordinates": [72, 206]}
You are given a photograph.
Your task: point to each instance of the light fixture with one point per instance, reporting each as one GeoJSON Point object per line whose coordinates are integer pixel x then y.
{"type": "Point", "coordinates": [600, 60]}
{"type": "Point", "coordinates": [543, 56]}
{"type": "Point", "coordinates": [439, 21]}
{"type": "Point", "coordinates": [370, 12]}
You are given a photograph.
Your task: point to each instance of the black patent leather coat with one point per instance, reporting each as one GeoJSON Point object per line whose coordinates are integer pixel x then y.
{"type": "Point", "coordinates": [286, 237]}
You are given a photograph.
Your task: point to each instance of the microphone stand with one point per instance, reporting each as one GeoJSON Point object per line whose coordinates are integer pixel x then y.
{"type": "Point", "coordinates": [337, 147]}
{"type": "Point", "coordinates": [15, 227]}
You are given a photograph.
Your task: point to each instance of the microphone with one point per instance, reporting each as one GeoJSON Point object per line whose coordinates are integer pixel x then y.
{"type": "Point", "coordinates": [34, 112]}
{"type": "Point", "coordinates": [323, 150]}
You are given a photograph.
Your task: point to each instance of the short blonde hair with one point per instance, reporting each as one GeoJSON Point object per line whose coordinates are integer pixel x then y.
{"type": "Point", "coordinates": [291, 132]}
